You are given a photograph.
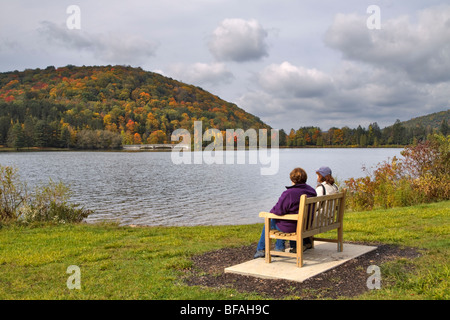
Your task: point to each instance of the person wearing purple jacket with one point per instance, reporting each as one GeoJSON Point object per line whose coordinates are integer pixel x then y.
{"type": "Point", "coordinates": [288, 203]}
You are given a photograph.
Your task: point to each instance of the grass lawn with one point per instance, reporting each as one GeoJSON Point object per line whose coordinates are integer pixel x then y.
{"type": "Point", "coordinates": [147, 263]}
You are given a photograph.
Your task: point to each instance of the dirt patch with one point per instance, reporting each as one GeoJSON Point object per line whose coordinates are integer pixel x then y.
{"type": "Point", "coordinates": [346, 280]}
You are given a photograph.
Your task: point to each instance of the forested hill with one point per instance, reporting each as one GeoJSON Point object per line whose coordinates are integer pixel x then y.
{"type": "Point", "coordinates": [103, 107]}
{"type": "Point", "coordinates": [431, 121]}
{"type": "Point", "coordinates": [400, 133]}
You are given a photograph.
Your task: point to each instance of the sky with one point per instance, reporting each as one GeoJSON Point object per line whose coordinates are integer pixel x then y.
{"type": "Point", "coordinates": [322, 63]}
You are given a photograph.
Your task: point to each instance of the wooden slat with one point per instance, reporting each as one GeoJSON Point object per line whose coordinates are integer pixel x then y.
{"type": "Point", "coordinates": [275, 234]}
{"type": "Point", "coordinates": [310, 233]}
{"type": "Point", "coordinates": [283, 234]}
{"type": "Point", "coordinates": [282, 253]}
{"type": "Point", "coordinates": [325, 240]}
{"type": "Point", "coordinates": [311, 215]}
{"type": "Point", "coordinates": [323, 198]}
{"type": "Point", "coordinates": [320, 214]}
{"type": "Point", "coordinates": [330, 211]}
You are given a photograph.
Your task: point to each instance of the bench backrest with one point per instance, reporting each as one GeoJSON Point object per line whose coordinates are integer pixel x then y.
{"type": "Point", "coordinates": [321, 213]}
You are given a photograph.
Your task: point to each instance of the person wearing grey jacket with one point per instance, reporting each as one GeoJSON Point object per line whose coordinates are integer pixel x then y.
{"type": "Point", "coordinates": [326, 182]}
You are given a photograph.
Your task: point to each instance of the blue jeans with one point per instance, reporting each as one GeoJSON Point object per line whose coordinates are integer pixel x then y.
{"type": "Point", "coordinates": [279, 244]}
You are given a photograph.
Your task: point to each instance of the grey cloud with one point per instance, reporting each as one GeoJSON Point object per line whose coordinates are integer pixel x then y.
{"type": "Point", "coordinates": [304, 97]}
{"type": "Point", "coordinates": [110, 47]}
{"type": "Point", "coordinates": [202, 73]}
{"type": "Point", "coordinates": [238, 40]}
{"type": "Point", "coordinates": [420, 50]}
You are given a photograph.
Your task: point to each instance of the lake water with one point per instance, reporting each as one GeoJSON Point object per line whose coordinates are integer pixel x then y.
{"type": "Point", "coordinates": [147, 188]}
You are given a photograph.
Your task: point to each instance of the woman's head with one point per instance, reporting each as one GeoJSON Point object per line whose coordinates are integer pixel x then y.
{"type": "Point", "coordinates": [324, 175]}
{"type": "Point", "coordinates": [298, 176]}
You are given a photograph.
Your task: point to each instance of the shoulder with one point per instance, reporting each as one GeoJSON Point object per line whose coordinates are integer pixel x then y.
{"type": "Point", "coordinates": [331, 188]}
{"type": "Point", "coordinates": [310, 191]}
{"type": "Point", "coordinates": [300, 189]}
{"type": "Point", "coordinates": [320, 189]}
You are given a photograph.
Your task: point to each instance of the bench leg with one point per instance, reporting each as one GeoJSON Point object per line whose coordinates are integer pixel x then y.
{"type": "Point", "coordinates": [267, 241]}
{"type": "Point", "coordinates": [300, 253]}
{"type": "Point", "coordinates": [340, 240]}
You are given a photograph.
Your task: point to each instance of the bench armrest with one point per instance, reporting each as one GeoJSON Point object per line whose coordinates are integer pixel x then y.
{"type": "Point", "coordinates": [274, 216]}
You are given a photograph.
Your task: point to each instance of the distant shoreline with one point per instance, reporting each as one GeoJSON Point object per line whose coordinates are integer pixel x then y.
{"type": "Point", "coordinates": [48, 149]}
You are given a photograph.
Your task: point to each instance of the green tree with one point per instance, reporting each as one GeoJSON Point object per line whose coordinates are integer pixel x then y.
{"type": "Point", "coordinates": [28, 131]}
{"type": "Point", "coordinates": [363, 140]}
{"type": "Point", "coordinates": [444, 127]}
{"type": "Point", "coordinates": [282, 137]}
{"type": "Point", "coordinates": [65, 137]}
{"type": "Point", "coordinates": [16, 136]}
{"type": "Point", "coordinates": [398, 133]}
{"type": "Point", "coordinates": [5, 125]}
{"type": "Point", "coordinates": [42, 134]}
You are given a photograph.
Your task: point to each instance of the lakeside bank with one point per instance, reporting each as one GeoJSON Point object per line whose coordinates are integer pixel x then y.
{"type": "Point", "coordinates": [120, 262]}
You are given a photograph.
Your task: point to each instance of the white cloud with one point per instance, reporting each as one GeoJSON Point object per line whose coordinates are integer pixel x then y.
{"type": "Point", "coordinates": [298, 81]}
{"type": "Point", "coordinates": [238, 40]}
{"type": "Point", "coordinates": [202, 73]}
{"type": "Point", "coordinates": [110, 47]}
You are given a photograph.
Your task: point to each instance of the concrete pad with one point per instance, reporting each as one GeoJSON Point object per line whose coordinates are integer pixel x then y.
{"type": "Point", "coordinates": [323, 257]}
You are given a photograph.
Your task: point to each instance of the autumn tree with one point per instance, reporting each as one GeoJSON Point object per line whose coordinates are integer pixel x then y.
{"type": "Point", "coordinates": [157, 137]}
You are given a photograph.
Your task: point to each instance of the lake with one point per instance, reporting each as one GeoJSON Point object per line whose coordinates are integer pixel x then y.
{"type": "Point", "coordinates": [147, 188]}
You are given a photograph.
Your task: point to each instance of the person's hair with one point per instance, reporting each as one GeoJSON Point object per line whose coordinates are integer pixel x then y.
{"type": "Point", "coordinates": [298, 175]}
{"type": "Point", "coordinates": [328, 179]}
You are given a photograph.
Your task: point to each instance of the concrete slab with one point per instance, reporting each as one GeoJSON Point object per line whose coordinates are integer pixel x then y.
{"type": "Point", "coordinates": [323, 257]}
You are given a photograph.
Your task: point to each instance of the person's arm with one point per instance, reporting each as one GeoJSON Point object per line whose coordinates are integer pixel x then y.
{"type": "Point", "coordinates": [280, 208]}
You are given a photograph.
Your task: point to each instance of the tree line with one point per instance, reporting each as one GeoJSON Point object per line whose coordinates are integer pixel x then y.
{"type": "Point", "coordinates": [372, 136]}
{"type": "Point", "coordinates": [52, 131]}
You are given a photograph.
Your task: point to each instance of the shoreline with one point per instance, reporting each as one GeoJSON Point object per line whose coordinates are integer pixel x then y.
{"type": "Point", "coordinates": [48, 149]}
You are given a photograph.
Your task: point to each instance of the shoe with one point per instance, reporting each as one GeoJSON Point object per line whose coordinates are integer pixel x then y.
{"type": "Point", "coordinates": [305, 247]}
{"type": "Point", "coordinates": [259, 254]}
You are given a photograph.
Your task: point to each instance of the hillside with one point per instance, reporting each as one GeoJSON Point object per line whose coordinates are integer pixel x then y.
{"type": "Point", "coordinates": [430, 121]}
{"type": "Point", "coordinates": [106, 106]}
{"type": "Point", "coordinates": [400, 133]}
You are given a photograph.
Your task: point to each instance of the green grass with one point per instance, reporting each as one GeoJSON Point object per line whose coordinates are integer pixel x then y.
{"type": "Point", "coordinates": [147, 263]}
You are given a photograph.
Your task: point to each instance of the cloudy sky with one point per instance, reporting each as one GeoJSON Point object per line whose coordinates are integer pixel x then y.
{"type": "Point", "coordinates": [292, 63]}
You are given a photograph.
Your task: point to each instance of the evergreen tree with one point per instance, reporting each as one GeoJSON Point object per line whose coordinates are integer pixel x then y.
{"type": "Point", "coordinates": [16, 136]}
{"type": "Point", "coordinates": [42, 134]}
{"type": "Point", "coordinates": [5, 126]}
{"type": "Point", "coordinates": [65, 137]}
{"type": "Point", "coordinates": [444, 127]}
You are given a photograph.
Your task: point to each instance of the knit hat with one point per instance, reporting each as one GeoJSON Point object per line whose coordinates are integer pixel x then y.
{"type": "Point", "coordinates": [324, 171]}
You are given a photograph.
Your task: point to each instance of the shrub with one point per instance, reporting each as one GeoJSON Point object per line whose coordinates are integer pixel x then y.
{"type": "Point", "coordinates": [427, 165]}
{"type": "Point", "coordinates": [50, 203]}
{"type": "Point", "coordinates": [47, 203]}
{"type": "Point", "coordinates": [423, 175]}
{"type": "Point", "coordinates": [12, 193]}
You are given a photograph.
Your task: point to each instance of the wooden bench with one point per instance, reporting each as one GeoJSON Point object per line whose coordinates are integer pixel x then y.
{"type": "Point", "coordinates": [316, 215]}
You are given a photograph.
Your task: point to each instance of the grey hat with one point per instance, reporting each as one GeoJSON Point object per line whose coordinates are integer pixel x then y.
{"type": "Point", "coordinates": [324, 171]}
